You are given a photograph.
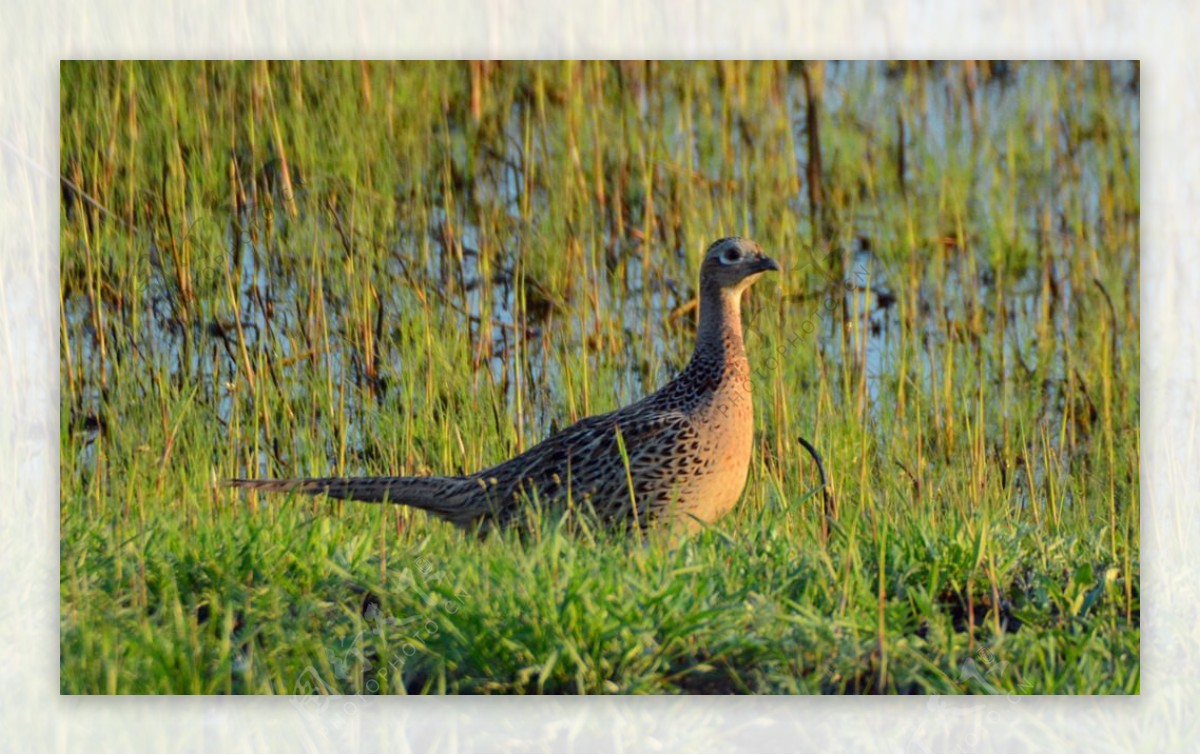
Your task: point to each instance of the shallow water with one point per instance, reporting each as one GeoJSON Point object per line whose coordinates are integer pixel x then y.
{"type": "Point", "coordinates": [853, 314]}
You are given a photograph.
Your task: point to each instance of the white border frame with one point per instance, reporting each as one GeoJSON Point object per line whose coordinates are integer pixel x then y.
{"type": "Point", "coordinates": [35, 37]}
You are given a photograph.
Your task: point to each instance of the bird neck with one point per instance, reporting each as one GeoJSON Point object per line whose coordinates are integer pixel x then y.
{"type": "Point", "coordinates": [719, 346]}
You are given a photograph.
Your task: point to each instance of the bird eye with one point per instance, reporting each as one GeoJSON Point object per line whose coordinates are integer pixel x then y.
{"type": "Point", "coordinates": [729, 256]}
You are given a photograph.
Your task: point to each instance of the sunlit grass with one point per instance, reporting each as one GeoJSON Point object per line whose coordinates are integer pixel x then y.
{"type": "Point", "coordinates": [326, 268]}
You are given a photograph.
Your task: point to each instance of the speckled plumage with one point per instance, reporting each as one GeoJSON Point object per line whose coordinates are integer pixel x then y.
{"type": "Point", "coordinates": [688, 444]}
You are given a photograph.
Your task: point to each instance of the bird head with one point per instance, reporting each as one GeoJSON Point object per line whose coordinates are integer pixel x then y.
{"type": "Point", "coordinates": [732, 264]}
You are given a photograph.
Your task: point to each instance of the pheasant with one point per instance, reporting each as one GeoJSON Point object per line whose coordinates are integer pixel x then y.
{"type": "Point", "coordinates": [676, 457]}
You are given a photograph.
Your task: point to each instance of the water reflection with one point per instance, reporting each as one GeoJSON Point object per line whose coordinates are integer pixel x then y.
{"type": "Point", "coordinates": [857, 296]}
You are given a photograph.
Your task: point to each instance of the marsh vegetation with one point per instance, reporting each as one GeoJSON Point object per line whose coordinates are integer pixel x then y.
{"type": "Point", "coordinates": [291, 269]}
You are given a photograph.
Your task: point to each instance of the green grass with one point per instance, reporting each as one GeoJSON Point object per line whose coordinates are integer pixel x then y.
{"type": "Point", "coordinates": [324, 268]}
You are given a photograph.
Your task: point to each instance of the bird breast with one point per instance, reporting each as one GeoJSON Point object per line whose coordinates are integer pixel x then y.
{"type": "Point", "coordinates": [729, 417]}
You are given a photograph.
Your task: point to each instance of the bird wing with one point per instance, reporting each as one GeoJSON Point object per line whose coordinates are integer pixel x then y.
{"type": "Point", "coordinates": [584, 460]}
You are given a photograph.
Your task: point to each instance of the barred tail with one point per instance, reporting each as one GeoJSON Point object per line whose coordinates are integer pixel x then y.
{"type": "Point", "coordinates": [458, 499]}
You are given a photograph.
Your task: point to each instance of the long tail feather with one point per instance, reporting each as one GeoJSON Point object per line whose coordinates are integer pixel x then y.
{"type": "Point", "coordinates": [453, 498]}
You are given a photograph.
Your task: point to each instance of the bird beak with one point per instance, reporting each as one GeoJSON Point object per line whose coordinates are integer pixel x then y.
{"type": "Point", "coordinates": [764, 263]}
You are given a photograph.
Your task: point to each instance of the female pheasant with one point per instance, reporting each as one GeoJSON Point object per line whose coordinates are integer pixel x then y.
{"type": "Point", "coordinates": [686, 446]}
